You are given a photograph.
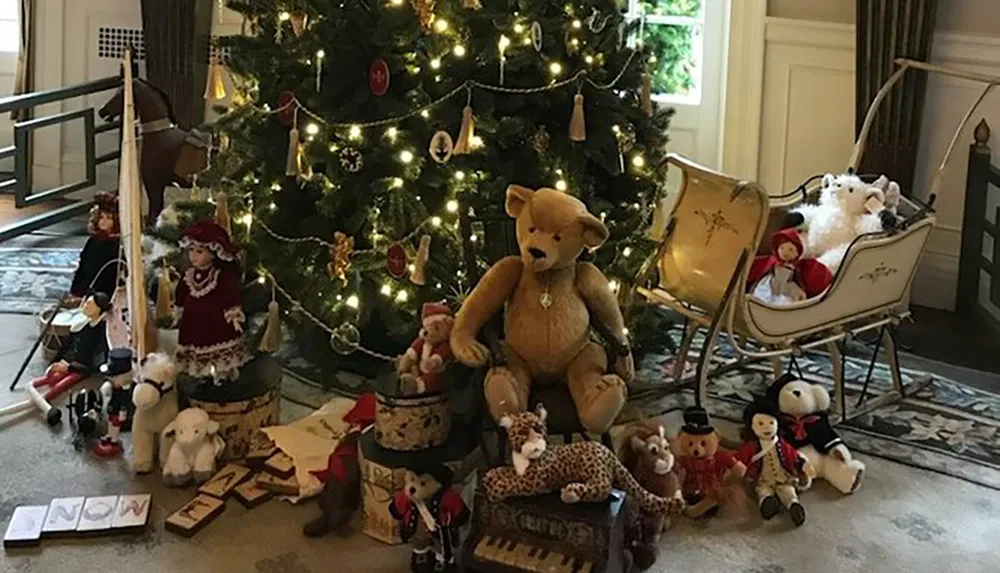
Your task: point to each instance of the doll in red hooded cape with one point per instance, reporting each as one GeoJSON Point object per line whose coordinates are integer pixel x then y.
{"type": "Point", "coordinates": [784, 276]}
{"type": "Point", "coordinates": [210, 337]}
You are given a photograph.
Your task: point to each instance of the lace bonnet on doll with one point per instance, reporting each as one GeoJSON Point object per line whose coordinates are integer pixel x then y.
{"type": "Point", "coordinates": [211, 236]}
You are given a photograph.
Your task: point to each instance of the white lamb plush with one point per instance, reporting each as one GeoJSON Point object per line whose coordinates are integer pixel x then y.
{"type": "Point", "coordinates": [848, 207]}
{"type": "Point", "coordinates": [155, 400]}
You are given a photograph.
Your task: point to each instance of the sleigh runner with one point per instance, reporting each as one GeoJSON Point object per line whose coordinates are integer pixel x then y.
{"type": "Point", "coordinates": [718, 225]}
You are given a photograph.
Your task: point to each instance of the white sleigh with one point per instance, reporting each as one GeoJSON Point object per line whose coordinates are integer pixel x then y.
{"type": "Point", "coordinates": [719, 223]}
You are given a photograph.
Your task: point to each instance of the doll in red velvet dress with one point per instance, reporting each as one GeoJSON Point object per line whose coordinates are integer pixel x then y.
{"type": "Point", "coordinates": [210, 338]}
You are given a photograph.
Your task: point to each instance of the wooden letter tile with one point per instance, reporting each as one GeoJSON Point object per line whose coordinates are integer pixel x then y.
{"type": "Point", "coordinates": [132, 512]}
{"type": "Point", "coordinates": [261, 448]}
{"type": "Point", "coordinates": [280, 465]}
{"type": "Point", "coordinates": [250, 494]}
{"type": "Point", "coordinates": [287, 486]}
{"type": "Point", "coordinates": [25, 527]}
{"type": "Point", "coordinates": [223, 482]}
{"type": "Point", "coordinates": [64, 515]}
{"type": "Point", "coordinates": [195, 515]}
{"type": "Point", "coordinates": [98, 514]}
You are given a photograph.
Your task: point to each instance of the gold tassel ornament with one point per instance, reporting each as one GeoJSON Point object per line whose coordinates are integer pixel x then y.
{"type": "Point", "coordinates": [300, 21]}
{"type": "Point", "coordinates": [419, 276]}
{"type": "Point", "coordinates": [164, 295]}
{"type": "Point", "coordinates": [471, 4]}
{"type": "Point", "coordinates": [215, 87]}
{"type": "Point", "coordinates": [577, 123]}
{"type": "Point", "coordinates": [463, 146]}
{"type": "Point", "coordinates": [647, 94]}
{"type": "Point", "coordinates": [222, 212]}
{"type": "Point", "coordinates": [293, 164]}
{"type": "Point", "coordinates": [271, 340]}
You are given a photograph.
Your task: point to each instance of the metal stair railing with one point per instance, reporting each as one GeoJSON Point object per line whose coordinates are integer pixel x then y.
{"type": "Point", "coordinates": [21, 182]}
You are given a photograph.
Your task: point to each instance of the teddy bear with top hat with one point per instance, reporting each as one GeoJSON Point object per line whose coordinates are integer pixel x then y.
{"type": "Point", "coordinates": [430, 512]}
{"type": "Point", "coordinates": [704, 464]}
{"type": "Point", "coordinates": [421, 367]}
{"type": "Point", "coordinates": [806, 425]}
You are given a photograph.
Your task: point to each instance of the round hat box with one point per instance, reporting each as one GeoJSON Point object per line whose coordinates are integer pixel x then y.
{"type": "Point", "coordinates": [410, 423]}
{"type": "Point", "coordinates": [242, 407]}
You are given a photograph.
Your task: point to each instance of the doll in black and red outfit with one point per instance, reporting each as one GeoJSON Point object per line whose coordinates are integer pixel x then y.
{"type": "Point", "coordinates": [430, 513]}
{"type": "Point", "coordinates": [80, 352]}
{"type": "Point", "coordinates": [210, 333]}
{"type": "Point", "coordinates": [97, 271]}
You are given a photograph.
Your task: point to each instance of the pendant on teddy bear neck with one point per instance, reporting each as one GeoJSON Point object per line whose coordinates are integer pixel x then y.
{"type": "Point", "coordinates": [545, 300]}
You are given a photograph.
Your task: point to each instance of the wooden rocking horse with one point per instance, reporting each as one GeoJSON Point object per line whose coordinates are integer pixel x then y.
{"type": "Point", "coordinates": [169, 154]}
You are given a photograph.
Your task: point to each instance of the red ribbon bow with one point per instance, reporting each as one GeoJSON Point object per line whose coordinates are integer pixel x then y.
{"type": "Point", "coordinates": [798, 425]}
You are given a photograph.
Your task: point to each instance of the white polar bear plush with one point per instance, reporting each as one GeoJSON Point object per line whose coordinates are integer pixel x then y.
{"type": "Point", "coordinates": [805, 424]}
{"type": "Point", "coordinates": [155, 399]}
{"type": "Point", "coordinates": [848, 207]}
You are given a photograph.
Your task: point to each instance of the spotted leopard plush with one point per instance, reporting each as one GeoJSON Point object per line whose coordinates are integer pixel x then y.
{"type": "Point", "coordinates": [581, 471]}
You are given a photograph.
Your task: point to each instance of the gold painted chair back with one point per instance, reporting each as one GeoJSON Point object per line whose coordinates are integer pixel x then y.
{"type": "Point", "coordinates": [715, 219]}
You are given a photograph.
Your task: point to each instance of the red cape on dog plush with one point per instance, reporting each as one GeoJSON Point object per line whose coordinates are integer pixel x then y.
{"type": "Point", "coordinates": [810, 274]}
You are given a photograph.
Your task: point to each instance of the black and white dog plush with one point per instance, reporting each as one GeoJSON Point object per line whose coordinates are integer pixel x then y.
{"type": "Point", "coordinates": [805, 423]}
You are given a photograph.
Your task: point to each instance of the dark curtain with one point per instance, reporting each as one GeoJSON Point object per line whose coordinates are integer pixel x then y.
{"type": "Point", "coordinates": [886, 30]}
{"type": "Point", "coordinates": [177, 34]}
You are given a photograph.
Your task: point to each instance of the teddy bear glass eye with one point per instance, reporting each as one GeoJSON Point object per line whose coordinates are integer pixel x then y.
{"type": "Point", "coordinates": [557, 238]}
{"type": "Point", "coordinates": [531, 229]}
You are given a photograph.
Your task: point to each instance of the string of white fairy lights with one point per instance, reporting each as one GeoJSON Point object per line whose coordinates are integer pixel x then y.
{"type": "Point", "coordinates": [579, 78]}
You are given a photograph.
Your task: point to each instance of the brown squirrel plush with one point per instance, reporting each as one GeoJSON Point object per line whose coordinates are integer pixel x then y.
{"type": "Point", "coordinates": [550, 300]}
{"type": "Point", "coordinates": [647, 455]}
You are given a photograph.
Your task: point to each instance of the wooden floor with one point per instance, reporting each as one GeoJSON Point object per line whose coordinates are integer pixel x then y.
{"type": "Point", "coordinates": [939, 335]}
{"type": "Point", "coordinates": [10, 214]}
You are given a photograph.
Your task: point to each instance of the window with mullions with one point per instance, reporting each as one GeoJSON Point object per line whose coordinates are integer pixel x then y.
{"type": "Point", "coordinates": [674, 32]}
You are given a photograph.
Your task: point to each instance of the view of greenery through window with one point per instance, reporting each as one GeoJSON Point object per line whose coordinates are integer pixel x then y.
{"type": "Point", "coordinates": [673, 29]}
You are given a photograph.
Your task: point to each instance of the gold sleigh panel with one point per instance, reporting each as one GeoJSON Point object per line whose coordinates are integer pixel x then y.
{"type": "Point", "coordinates": [715, 219]}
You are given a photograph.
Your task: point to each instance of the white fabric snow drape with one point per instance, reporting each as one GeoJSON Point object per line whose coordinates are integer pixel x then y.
{"type": "Point", "coordinates": [130, 214]}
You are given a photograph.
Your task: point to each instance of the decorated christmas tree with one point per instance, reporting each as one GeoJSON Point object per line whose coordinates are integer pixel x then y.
{"type": "Point", "coordinates": [369, 139]}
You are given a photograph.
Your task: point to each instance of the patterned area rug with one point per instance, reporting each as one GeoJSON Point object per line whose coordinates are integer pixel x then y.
{"type": "Point", "coordinates": [945, 427]}
{"type": "Point", "coordinates": [33, 278]}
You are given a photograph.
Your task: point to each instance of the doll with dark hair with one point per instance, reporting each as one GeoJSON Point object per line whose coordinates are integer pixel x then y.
{"type": "Point", "coordinates": [210, 333]}
{"type": "Point", "coordinates": [96, 270]}
{"type": "Point", "coordinates": [83, 349]}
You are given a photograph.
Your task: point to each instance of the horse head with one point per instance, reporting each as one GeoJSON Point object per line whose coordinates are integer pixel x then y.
{"type": "Point", "coordinates": [151, 103]}
{"type": "Point", "coordinates": [158, 376]}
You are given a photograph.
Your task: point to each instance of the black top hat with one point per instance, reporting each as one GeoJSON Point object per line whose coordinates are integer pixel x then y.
{"type": "Point", "coordinates": [696, 422]}
{"type": "Point", "coordinates": [760, 405]}
{"type": "Point", "coordinates": [440, 472]}
{"type": "Point", "coordinates": [119, 362]}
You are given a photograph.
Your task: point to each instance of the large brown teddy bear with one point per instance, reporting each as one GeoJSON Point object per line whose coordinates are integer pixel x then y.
{"type": "Point", "coordinates": [550, 300]}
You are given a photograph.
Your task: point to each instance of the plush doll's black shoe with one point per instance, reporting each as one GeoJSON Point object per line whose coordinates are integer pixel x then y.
{"type": "Point", "coordinates": [798, 514]}
{"type": "Point", "coordinates": [422, 562]}
{"type": "Point", "coordinates": [770, 507]}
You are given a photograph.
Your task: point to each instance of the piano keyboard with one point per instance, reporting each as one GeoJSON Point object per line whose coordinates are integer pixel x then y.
{"type": "Point", "coordinates": [523, 557]}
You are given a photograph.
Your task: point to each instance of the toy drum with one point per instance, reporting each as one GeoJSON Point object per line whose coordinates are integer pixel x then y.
{"type": "Point", "coordinates": [241, 407]}
{"type": "Point", "coordinates": [409, 423]}
{"type": "Point", "coordinates": [58, 331]}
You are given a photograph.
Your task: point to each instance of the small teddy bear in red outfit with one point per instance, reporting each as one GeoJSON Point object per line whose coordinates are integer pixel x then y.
{"type": "Point", "coordinates": [420, 368]}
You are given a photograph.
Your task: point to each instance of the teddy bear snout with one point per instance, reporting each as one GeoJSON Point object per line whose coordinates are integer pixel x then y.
{"type": "Point", "coordinates": [797, 393]}
{"type": "Point", "coordinates": [536, 253]}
